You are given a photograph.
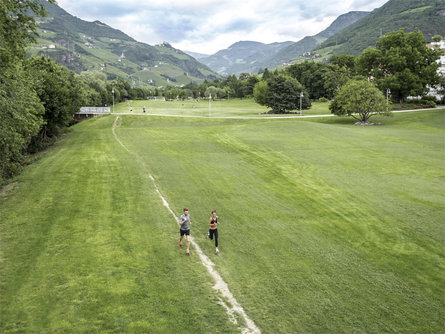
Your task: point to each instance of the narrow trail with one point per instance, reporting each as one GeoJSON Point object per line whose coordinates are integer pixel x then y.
{"type": "Point", "coordinates": [226, 299]}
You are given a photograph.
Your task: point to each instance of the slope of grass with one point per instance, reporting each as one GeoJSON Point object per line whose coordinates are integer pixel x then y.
{"type": "Point", "coordinates": [325, 227]}
{"type": "Point", "coordinates": [87, 246]}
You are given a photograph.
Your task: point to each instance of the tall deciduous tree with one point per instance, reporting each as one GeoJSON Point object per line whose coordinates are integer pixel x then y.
{"type": "Point", "coordinates": [20, 117]}
{"type": "Point", "coordinates": [260, 92]}
{"type": "Point", "coordinates": [311, 76]}
{"type": "Point", "coordinates": [20, 108]}
{"type": "Point", "coordinates": [17, 27]}
{"type": "Point", "coordinates": [401, 62]}
{"type": "Point", "coordinates": [284, 94]}
{"type": "Point", "coordinates": [59, 90]}
{"type": "Point", "coordinates": [360, 99]}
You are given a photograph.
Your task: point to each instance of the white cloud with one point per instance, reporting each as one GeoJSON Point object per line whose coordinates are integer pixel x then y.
{"type": "Point", "coordinates": [207, 26]}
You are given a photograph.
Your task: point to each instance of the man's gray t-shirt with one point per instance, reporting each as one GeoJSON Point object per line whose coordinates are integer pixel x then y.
{"type": "Point", "coordinates": [186, 225]}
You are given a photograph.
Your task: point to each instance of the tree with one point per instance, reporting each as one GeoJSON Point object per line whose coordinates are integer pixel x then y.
{"type": "Point", "coordinates": [248, 84]}
{"type": "Point", "coordinates": [333, 79]}
{"type": "Point", "coordinates": [347, 61]}
{"type": "Point", "coordinates": [266, 74]}
{"type": "Point", "coordinates": [437, 38]}
{"type": "Point", "coordinates": [260, 92]}
{"type": "Point", "coordinates": [359, 99]}
{"type": "Point", "coordinates": [59, 90]}
{"type": "Point", "coordinates": [310, 75]}
{"type": "Point", "coordinates": [17, 28]}
{"type": "Point", "coordinates": [98, 93]}
{"type": "Point", "coordinates": [284, 94]}
{"type": "Point", "coordinates": [20, 118]}
{"type": "Point", "coordinates": [211, 91]}
{"type": "Point", "coordinates": [20, 109]}
{"type": "Point", "coordinates": [402, 62]}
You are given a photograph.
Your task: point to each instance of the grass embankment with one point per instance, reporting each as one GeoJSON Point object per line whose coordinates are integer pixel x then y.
{"type": "Point", "coordinates": [326, 227]}
{"type": "Point", "coordinates": [87, 246]}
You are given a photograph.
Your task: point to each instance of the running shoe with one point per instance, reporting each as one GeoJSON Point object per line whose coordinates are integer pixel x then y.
{"type": "Point", "coordinates": [188, 252]}
{"type": "Point", "coordinates": [180, 244]}
{"type": "Point", "coordinates": [207, 235]}
{"type": "Point", "coordinates": [217, 251]}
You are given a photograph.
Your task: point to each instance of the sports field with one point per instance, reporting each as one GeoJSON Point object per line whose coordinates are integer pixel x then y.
{"type": "Point", "coordinates": [205, 108]}
{"type": "Point", "coordinates": [325, 227]}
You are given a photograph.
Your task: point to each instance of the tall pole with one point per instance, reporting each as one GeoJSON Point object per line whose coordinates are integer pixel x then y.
{"type": "Point", "coordinates": [210, 105]}
{"type": "Point", "coordinates": [388, 91]}
{"type": "Point", "coordinates": [112, 91]}
{"type": "Point", "coordinates": [301, 97]}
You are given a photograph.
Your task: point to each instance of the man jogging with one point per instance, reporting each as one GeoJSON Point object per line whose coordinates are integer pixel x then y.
{"type": "Point", "coordinates": [184, 222]}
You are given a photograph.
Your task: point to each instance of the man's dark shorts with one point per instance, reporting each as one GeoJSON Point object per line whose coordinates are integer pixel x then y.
{"type": "Point", "coordinates": [186, 232]}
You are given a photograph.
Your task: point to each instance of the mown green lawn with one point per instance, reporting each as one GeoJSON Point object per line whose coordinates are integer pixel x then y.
{"type": "Point", "coordinates": [219, 108]}
{"type": "Point", "coordinates": [325, 227]}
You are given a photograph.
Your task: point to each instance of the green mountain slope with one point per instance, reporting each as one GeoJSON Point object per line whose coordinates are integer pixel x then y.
{"type": "Point", "coordinates": [426, 15]}
{"type": "Point", "coordinates": [82, 46]}
{"type": "Point", "coordinates": [309, 43]}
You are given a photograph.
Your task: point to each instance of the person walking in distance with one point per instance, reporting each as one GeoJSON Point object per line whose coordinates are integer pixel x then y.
{"type": "Point", "coordinates": [213, 229]}
{"type": "Point", "coordinates": [184, 222]}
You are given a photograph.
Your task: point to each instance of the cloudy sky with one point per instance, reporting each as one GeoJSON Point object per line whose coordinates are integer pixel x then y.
{"type": "Point", "coordinates": [206, 26]}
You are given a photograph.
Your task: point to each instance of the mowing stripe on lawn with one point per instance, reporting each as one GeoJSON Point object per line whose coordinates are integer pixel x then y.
{"type": "Point", "coordinates": [233, 308]}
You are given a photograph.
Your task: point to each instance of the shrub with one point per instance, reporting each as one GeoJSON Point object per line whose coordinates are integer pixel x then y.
{"type": "Point", "coordinates": [427, 103]}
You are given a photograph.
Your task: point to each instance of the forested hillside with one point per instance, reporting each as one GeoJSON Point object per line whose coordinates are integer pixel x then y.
{"type": "Point", "coordinates": [427, 16]}
{"type": "Point", "coordinates": [82, 46]}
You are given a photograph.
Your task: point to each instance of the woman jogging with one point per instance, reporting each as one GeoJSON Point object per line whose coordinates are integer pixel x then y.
{"type": "Point", "coordinates": [213, 229]}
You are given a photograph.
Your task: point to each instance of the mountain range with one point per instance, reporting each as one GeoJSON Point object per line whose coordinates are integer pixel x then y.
{"type": "Point", "coordinates": [427, 16]}
{"type": "Point", "coordinates": [350, 33]}
{"type": "Point", "coordinates": [85, 46]}
{"type": "Point", "coordinates": [251, 56]}
{"type": "Point", "coordinates": [243, 56]}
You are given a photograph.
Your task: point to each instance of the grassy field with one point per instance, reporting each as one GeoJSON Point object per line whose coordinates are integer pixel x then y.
{"type": "Point", "coordinates": [224, 108]}
{"type": "Point", "coordinates": [325, 227]}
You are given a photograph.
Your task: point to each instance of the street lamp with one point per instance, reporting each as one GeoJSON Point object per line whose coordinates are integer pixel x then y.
{"type": "Point", "coordinates": [210, 104]}
{"type": "Point", "coordinates": [112, 92]}
{"type": "Point", "coordinates": [301, 98]}
{"type": "Point", "coordinates": [388, 92]}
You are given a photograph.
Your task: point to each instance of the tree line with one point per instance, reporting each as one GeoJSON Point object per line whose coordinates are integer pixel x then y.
{"type": "Point", "coordinates": [400, 65]}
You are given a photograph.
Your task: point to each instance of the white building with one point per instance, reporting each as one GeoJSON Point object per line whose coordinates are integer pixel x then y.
{"type": "Point", "coordinates": [441, 69]}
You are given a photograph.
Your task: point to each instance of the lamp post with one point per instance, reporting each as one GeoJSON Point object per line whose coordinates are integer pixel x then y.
{"type": "Point", "coordinates": [301, 98]}
{"type": "Point", "coordinates": [388, 92]}
{"type": "Point", "coordinates": [112, 92]}
{"type": "Point", "coordinates": [210, 104]}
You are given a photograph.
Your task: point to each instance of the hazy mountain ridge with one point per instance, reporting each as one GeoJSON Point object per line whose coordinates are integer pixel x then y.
{"type": "Point", "coordinates": [82, 45]}
{"type": "Point", "coordinates": [309, 43]}
{"type": "Point", "coordinates": [252, 56]}
{"type": "Point", "coordinates": [196, 55]}
{"type": "Point", "coordinates": [242, 56]}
